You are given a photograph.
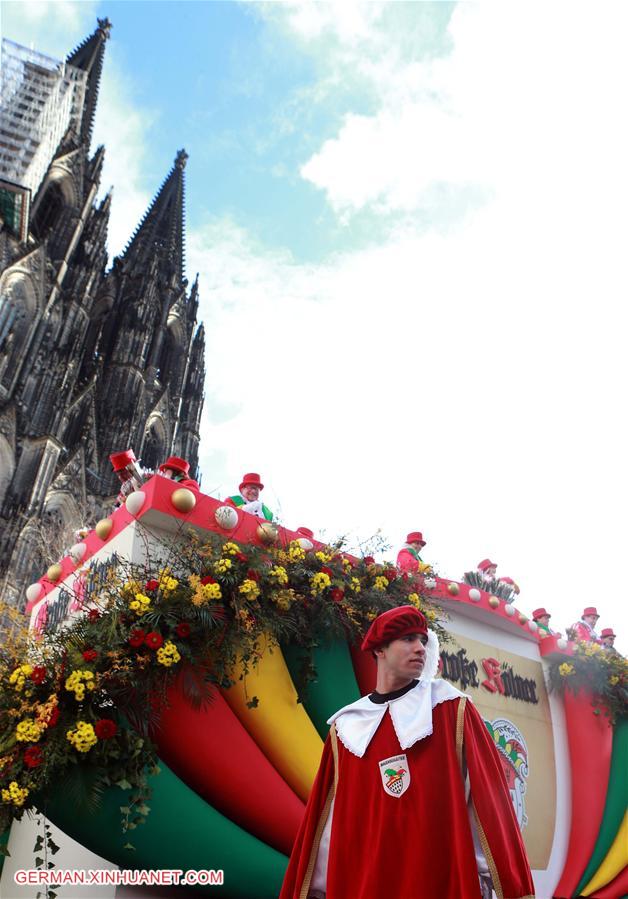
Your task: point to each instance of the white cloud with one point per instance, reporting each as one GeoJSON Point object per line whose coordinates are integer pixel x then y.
{"type": "Point", "coordinates": [54, 27]}
{"type": "Point", "coordinates": [467, 383]}
{"type": "Point", "coordinates": [122, 126]}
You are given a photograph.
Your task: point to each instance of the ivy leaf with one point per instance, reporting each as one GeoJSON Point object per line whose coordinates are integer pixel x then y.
{"type": "Point", "coordinates": [252, 703]}
{"type": "Point", "coordinates": [129, 846]}
{"type": "Point", "coordinates": [38, 862]}
{"type": "Point", "coordinates": [39, 844]}
{"type": "Point", "coordinates": [124, 784]}
{"type": "Point", "coordinates": [52, 846]}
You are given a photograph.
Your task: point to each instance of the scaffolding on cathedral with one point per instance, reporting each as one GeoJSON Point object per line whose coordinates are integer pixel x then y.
{"type": "Point", "coordinates": [40, 98]}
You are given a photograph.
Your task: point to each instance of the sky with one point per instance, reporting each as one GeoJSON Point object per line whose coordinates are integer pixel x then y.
{"type": "Point", "coordinates": [408, 221]}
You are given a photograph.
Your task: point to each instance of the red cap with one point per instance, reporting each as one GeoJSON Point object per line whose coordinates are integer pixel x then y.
{"type": "Point", "coordinates": [608, 632]}
{"type": "Point", "coordinates": [539, 613]}
{"type": "Point", "coordinates": [176, 463]}
{"type": "Point", "coordinates": [251, 479]}
{"type": "Point", "coordinates": [415, 537]}
{"type": "Point", "coordinates": [393, 624]}
{"type": "Point", "coordinates": [121, 460]}
{"type": "Point", "coordinates": [486, 563]}
{"type": "Point", "coordinates": [306, 532]}
{"type": "Point", "coordinates": [590, 610]}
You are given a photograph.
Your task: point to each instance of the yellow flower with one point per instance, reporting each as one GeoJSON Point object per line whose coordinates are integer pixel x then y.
{"type": "Point", "coordinates": [295, 552]}
{"type": "Point", "coordinates": [323, 557]}
{"type": "Point", "coordinates": [354, 584]}
{"type": "Point", "coordinates": [613, 680]}
{"type": "Point", "coordinates": [249, 589]}
{"type": "Point", "coordinates": [566, 669]}
{"type": "Point", "coordinates": [168, 654]}
{"type": "Point", "coordinates": [415, 600]}
{"type": "Point", "coordinates": [371, 616]}
{"type": "Point", "coordinates": [283, 599]}
{"type": "Point", "coordinates": [78, 681]}
{"type": "Point", "coordinates": [83, 737]}
{"type": "Point", "coordinates": [230, 549]}
{"type": "Point", "coordinates": [18, 678]}
{"type": "Point", "coordinates": [15, 794]}
{"type": "Point", "coordinates": [245, 620]}
{"type": "Point", "coordinates": [381, 583]}
{"type": "Point", "coordinates": [222, 566]}
{"type": "Point", "coordinates": [430, 614]}
{"type": "Point", "coordinates": [29, 731]}
{"type": "Point", "coordinates": [279, 573]}
{"type": "Point", "coordinates": [206, 592]}
{"type": "Point", "coordinates": [319, 582]}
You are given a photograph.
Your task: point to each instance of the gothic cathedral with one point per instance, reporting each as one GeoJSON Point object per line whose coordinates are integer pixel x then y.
{"type": "Point", "coordinates": [92, 360]}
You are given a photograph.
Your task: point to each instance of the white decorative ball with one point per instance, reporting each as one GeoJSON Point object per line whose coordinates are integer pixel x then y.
{"type": "Point", "coordinates": [509, 609]}
{"type": "Point", "coordinates": [305, 544]}
{"type": "Point", "coordinates": [430, 583]}
{"type": "Point", "coordinates": [474, 594]}
{"type": "Point", "coordinates": [77, 552]}
{"type": "Point", "coordinates": [34, 592]}
{"type": "Point", "coordinates": [533, 626]}
{"type": "Point", "coordinates": [135, 501]}
{"type": "Point", "coordinates": [562, 643]}
{"type": "Point", "coordinates": [226, 517]}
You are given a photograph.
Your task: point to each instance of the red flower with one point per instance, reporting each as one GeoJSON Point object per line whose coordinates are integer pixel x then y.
{"type": "Point", "coordinates": [93, 615]}
{"type": "Point", "coordinates": [183, 629]}
{"type": "Point", "coordinates": [327, 571]}
{"type": "Point", "coordinates": [105, 729]}
{"type": "Point", "coordinates": [151, 585]}
{"type": "Point", "coordinates": [38, 674]}
{"type": "Point", "coordinates": [208, 579]}
{"type": "Point", "coordinates": [33, 756]}
{"type": "Point", "coordinates": [369, 560]}
{"type": "Point", "coordinates": [241, 557]}
{"type": "Point", "coordinates": [253, 575]}
{"type": "Point", "coordinates": [154, 640]}
{"type": "Point", "coordinates": [54, 717]}
{"type": "Point", "coordinates": [90, 655]}
{"type": "Point", "coordinates": [137, 637]}
{"type": "Point", "coordinates": [336, 594]}
{"type": "Point", "coordinates": [390, 574]}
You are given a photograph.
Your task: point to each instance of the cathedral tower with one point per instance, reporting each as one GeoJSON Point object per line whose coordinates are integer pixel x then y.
{"type": "Point", "coordinates": [92, 360]}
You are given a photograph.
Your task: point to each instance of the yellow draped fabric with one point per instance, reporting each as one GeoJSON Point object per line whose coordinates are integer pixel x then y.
{"type": "Point", "coordinates": [279, 724]}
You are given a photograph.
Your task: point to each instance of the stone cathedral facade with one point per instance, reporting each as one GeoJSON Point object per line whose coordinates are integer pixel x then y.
{"type": "Point", "coordinates": [93, 360]}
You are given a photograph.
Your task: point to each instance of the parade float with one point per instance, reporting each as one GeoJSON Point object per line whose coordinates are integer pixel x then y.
{"type": "Point", "coordinates": [169, 709]}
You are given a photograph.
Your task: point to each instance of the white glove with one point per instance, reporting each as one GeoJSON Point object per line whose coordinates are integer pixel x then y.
{"type": "Point", "coordinates": [255, 508]}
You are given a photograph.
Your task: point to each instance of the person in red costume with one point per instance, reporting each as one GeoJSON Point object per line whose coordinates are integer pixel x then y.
{"type": "Point", "coordinates": [248, 499]}
{"type": "Point", "coordinates": [178, 470]}
{"type": "Point", "coordinates": [607, 638]}
{"type": "Point", "coordinates": [410, 800]}
{"type": "Point", "coordinates": [408, 558]}
{"type": "Point", "coordinates": [585, 628]}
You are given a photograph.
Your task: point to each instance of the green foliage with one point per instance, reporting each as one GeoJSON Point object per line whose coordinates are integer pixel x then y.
{"type": "Point", "coordinates": [601, 672]}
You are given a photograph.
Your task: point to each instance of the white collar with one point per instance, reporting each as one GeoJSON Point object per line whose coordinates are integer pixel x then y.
{"type": "Point", "coordinates": [411, 713]}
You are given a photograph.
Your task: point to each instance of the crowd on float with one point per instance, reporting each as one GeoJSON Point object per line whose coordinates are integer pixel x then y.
{"type": "Point", "coordinates": [131, 476]}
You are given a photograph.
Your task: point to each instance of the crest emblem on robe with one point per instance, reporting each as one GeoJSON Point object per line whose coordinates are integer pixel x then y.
{"type": "Point", "coordinates": [395, 774]}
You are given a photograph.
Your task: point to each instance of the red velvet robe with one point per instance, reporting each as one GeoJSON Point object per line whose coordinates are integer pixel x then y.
{"type": "Point", "coordinates": [419, 845]}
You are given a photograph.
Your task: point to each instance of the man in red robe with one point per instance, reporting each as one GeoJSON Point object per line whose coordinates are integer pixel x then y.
{"type": "Point", "coordinates": [410, 800]}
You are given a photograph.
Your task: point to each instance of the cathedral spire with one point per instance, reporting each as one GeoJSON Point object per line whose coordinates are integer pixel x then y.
{"type": "Point", "coordinates": [160, 233]}
{"type": "Point", "coordinates": [89, 56]}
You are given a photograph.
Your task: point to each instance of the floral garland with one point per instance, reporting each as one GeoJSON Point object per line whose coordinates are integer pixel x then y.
{"type": "Point", "coordinates": [67, 698]}
{"type": "Point", "coordinates": [599, 671]}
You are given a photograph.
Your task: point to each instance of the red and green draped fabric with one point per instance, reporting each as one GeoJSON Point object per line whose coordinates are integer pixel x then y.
{"type": "Point", "coordinates": [600, 870]}
{"type": "Point", "coordinates": [590, 741]}
{"type": "Point", "coordinates": [240, 501]}
{"type": "Point", "coordinates": [181, 832]}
